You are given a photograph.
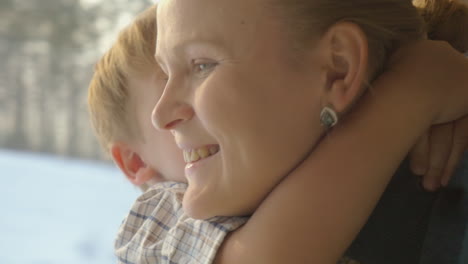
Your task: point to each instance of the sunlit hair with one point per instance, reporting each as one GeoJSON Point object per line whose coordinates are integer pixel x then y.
{"type": "Point", "coordinates": [388, 24]}
{"type": "Point", "coordinates": [131, 56]}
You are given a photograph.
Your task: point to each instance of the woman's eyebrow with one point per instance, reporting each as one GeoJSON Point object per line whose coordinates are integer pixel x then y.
{"type": "Point", "coordinates": [187, 47]}
{"type": "Point", "coordinates": [203, 45]}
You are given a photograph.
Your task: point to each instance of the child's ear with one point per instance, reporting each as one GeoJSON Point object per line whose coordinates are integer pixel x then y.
{"type": "Point", "coordinates": [131, 164]}
{"type": "Point", "coordinates": [346, 60]}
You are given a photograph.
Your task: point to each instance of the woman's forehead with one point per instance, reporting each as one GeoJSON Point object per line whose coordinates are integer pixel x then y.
{"type": "Point", "coordinates": [196, 15]}
{"type": "Point", "coordinates": [217, 22]}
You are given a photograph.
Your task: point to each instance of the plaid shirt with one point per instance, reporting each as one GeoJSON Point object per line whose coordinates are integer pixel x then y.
{"type": "Point", "coordinates": [157, 231]}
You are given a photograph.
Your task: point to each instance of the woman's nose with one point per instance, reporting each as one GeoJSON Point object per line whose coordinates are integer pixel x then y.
{"type": "Point", "coordinates": [172, 109]}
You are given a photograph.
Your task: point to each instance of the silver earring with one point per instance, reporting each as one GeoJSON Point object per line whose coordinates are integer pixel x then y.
{"type": "Point", "coordinates": [328, 117]}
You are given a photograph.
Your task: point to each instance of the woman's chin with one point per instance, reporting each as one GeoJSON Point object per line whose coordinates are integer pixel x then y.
{"type": "Point", "coordinates": [195, 208]}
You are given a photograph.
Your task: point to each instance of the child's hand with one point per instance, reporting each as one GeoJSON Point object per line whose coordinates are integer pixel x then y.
{"type": "Point", "coordinates": [438, 152]}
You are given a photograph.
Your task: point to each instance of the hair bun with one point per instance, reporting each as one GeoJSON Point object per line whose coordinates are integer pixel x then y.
{"type": "Point", "coordinates": [446, 20]}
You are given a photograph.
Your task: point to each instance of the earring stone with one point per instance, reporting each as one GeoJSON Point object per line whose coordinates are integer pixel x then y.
{"type": "Point", "coordinates": [328, 117]}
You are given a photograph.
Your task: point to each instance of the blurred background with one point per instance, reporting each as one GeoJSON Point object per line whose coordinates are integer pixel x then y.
{"type": "Point", "coordinates": [62, 199]}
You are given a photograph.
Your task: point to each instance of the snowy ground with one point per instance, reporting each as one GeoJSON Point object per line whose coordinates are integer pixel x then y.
{"type": "Point", "coordinates": [59, 211]}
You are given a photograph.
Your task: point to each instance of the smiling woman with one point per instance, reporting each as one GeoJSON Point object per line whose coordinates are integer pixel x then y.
{"type": "Point", "coordinates": [251, 66]}
{"type": "Point", "coordinates": [272, 66]}
{"type": "Point", "coordinates": [244, 78]}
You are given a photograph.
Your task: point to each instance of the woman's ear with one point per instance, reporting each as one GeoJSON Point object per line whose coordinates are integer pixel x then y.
{"type": "Point", "coordinates": [131, 164]}
{"type": "Point", "coordinates": [346, 60]}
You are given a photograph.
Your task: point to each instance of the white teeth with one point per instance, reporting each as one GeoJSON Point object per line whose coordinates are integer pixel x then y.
{"type": "Point", "coordinates": [200, 153]}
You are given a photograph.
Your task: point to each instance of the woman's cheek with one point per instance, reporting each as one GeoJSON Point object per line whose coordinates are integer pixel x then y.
{"type": "Point", "coordinates": [216, 100]}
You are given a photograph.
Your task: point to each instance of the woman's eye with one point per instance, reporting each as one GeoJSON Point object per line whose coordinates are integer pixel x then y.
{"type": "Point", "coordinates": [204, 67]}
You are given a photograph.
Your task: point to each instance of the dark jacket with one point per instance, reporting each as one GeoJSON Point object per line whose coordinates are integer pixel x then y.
{"type": "Point", "coordinates": [411, 226]}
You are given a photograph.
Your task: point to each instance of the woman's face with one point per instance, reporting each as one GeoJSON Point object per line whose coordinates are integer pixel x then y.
{"type": "Point", "coordinates": [244, 112]}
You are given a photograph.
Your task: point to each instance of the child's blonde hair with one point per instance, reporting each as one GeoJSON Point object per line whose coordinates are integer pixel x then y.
{"type": "Point", "coordinates": [388, 24]}
{"type": "Point", "coordinates": [131, 56]}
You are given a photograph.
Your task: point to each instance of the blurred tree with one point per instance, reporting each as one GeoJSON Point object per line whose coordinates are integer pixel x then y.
{"type": "Point", "coordinates": [48, 49]}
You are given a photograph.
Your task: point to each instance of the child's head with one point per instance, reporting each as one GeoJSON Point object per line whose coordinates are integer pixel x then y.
{"type": "Point", "coordinates": [126, 85]}
{"type": "Point", "coordinates": [249, 79]}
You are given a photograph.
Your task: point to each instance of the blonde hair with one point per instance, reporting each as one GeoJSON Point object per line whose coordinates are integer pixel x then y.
{"type": "Point", "coordinates": [132, 55]}
{"type": "Point", "coordinates": [388, 24]}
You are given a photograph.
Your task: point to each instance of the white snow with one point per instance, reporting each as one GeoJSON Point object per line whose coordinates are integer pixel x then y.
{"type": "Point", "coordinates": [57, 210]}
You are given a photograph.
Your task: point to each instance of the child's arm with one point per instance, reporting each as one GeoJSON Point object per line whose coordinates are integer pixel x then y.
{"type": "Point", "coordinates": [315, 213]}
